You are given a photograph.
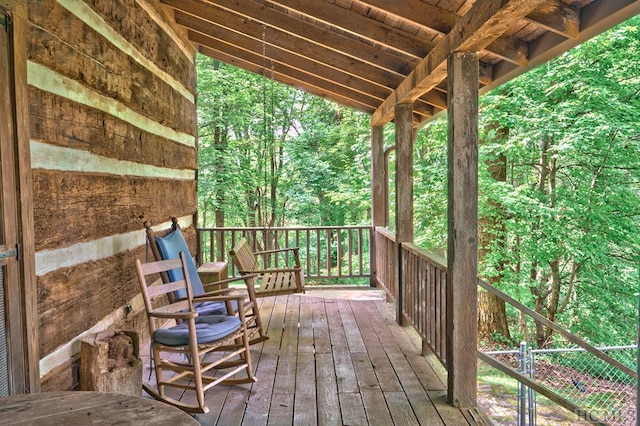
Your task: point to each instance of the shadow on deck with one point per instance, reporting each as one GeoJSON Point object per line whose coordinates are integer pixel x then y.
{"type": "Point", "coordinates": [335, 357]}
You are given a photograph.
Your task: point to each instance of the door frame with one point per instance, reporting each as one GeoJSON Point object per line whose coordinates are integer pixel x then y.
{"type": "Point", "coordinates": [21, 290]}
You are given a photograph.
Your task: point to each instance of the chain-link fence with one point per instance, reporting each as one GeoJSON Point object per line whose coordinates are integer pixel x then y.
{"type": "Point", "coordinates": [603, 393]}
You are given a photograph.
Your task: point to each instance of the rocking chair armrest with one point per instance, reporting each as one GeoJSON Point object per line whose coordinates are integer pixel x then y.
{"type": "Point", "coordinates": [248, 275]}
{"type": "Point", "coordinates": [174, 315]}
{"type": "Point", "coordinates": [238, 297]}
{"type": "Point", "coordinates": [213, 293]}
{"type": "Point", "coordinates": [277, 250]}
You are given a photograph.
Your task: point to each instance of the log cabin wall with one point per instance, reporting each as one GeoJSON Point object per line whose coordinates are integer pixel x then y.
{"type": "Point", "coordinates": [113, 143]}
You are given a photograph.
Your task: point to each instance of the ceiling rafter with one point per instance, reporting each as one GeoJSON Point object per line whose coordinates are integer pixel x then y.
{"type": "Point", "coordinates": [270, 37]}
{"type": "Point", "coordinates": [486, 21]}
{"type": "Point", "coordinates": [441, 22]}
{"type": "Point", "coordinates": [372, 54]}
{"type": "Point", "coordinates": [378, 32]}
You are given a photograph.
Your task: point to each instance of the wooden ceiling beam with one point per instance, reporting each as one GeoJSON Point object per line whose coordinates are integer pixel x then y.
{"type": "Point", "coordinates": [323, 37]}
{"type": "Point", "coordinates": [286, 76]}
{"type": "Point", "coordinates": [424, 14]}
{"type": "Point", "coordinates": [557, 17]}
{"type": "Point", "coordinates": [360, 26]}
{"type": "Point", "coordinates": [441, 21]}
{"type": "Point", "coordinates": [242, 49]}
{"type": "Point", "coordinates": [595, 18]}
{"type": "Point", "coordinates": [267, 36]}
{"type": "Point", "coordinates": [486, 21]}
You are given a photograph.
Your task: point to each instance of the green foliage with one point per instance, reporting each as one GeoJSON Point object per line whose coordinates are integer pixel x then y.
{"type": "Point", "coordinates": [569, 246]}
{"type": "Point", "coordinates": [580, 111]}
{"type": "Point", "coordinates": [283, 157]}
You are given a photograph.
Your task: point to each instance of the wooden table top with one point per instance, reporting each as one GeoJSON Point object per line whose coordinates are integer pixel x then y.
{"type": "Point", "coordinates": [88, 408]}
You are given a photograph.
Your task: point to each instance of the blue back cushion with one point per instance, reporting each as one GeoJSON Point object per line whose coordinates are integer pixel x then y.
{"type": "Point", "coordinates": [170, 247]}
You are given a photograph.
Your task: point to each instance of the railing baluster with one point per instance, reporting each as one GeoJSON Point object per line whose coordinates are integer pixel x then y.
{"type": "Point", "coordinates": [318, 249]}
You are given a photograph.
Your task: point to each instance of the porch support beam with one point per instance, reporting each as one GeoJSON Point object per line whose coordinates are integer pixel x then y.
{"type": "Point", "coordinates": [462, 256]}
{"type": "Point", "coordinates": [405, 138]}
{"type": "Point", "coordinates": [378, 194]}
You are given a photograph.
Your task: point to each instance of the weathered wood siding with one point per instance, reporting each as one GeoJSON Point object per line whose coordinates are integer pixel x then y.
{"type": "Point", "coordinates": [112, 128]}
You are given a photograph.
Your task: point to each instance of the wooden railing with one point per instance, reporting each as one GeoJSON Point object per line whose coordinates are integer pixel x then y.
{"type": "Point", "coordinates": [386, 260]}
{"type": "Point", "coordinates": [424, 296]}
{"type": "Point", "coordinates": [424, 279]}
{"type": "Point", "coordinates": [336, 252]}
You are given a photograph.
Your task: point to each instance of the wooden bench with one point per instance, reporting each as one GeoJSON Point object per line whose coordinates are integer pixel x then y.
{"type": "Point", "coordinates": [271, 281]}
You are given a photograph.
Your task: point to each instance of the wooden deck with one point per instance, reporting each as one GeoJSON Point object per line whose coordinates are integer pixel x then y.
{"type": "Point", "coordinates": [335, 357]}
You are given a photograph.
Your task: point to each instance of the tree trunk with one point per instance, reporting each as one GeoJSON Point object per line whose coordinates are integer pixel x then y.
{"type": "Point", "coordinates": [492, 314]}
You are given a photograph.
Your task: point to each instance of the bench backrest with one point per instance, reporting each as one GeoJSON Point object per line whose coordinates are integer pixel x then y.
{"type": "Point", "coordinates": [243, 257]}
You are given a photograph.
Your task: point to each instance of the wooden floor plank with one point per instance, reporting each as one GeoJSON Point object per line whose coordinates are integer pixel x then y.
{"type": "Point", "coordinates": [327, 391]}
{"type": "Point", "coordinates": [352, 409]}
{"type": "Point", "coordinates": [354, 340]}
{"type": "Point", "coordinates": [400, 409]}
{"type": "Point", "coordinates": [365, 374]}
{"type": "Point", "coordinates": [384, 371]}
{"type": "Point", "coordinates": [375, 406]}
{"type": "Point", "coordinates": [321, 339]}
{"type": "Point", "coordinates": [345, 371]}
{"type": "Point", "coordinates": [282, 404]}
{"type": "Point", "coordinates": [305, 394]}
{"type": "Point", "coordinates": [334, 360]}
{"type": "Point", "coordinates": [305, 329]}
{"type": "Point", "coordinates": [272, 313]}
{"type": "Point", "coordinates": [424, 410]}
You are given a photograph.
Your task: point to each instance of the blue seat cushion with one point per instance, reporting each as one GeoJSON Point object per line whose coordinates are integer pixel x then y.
{"type": "Point", "coordinates": [214, 308]}
{"type": "Point", "coordinates": [170, 247]}
{"type": "Point", "coordinates": [208, 329]}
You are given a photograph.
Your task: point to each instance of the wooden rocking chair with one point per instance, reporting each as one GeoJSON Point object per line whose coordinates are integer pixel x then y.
{"type": "Point", "coordinates": [168, 244]}
{"type": "Point", "coordinates": [273, 281]}
{"type": "Point", "coordinates": [182, 346]}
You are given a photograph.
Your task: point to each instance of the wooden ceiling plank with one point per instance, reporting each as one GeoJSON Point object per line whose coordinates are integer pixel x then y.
{"type": "Point", "coordinates": [321, 36]}
{"type": "Point", "coordinates": [486, 21]}
{"type": "Point", "coordinates": [286, 78]}
{"type": "Point", "coordinates": [299, 47]}
{"type": "Point", "coordinates": [595, 18]}
{"type": "Point", "coordinates": [244, 51]}
{"type": "Point", "coordinates": [424, 14]}
{"type": "Point", "coordinates": [435, 98]}
{"type": "Point", "coordinates": [360, 26]}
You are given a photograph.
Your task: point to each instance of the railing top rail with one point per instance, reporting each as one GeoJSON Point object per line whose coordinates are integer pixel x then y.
{"type": "Point", "coordinates": [571, 337]}
{"type": "Point", "coordinates": [282, 228]}
{"type": "Point", "coordinates": [432, 258]}
{"type": "Point", "coordinates": [386, 232]}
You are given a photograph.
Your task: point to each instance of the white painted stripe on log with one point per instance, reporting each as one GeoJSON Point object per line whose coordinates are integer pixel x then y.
{"type": "Point", "coordinates": [48, 80]}
{"type": "Point", "coordinates": [83, 12]}
{"type": "Point", "coordinates": [51, 157]}
{"type": "Point", "coordinates": [181, 41]}
{"type": "Point", "coordinates": [76, 254]}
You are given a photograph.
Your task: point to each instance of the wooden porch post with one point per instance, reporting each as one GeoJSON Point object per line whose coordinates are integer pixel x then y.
{"type": "Point", "coordinates": [405, 137]}
{"type": "Point", "coordinates": [378, 204]}
{"type": "Point", "coordinates": [462, 229]}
